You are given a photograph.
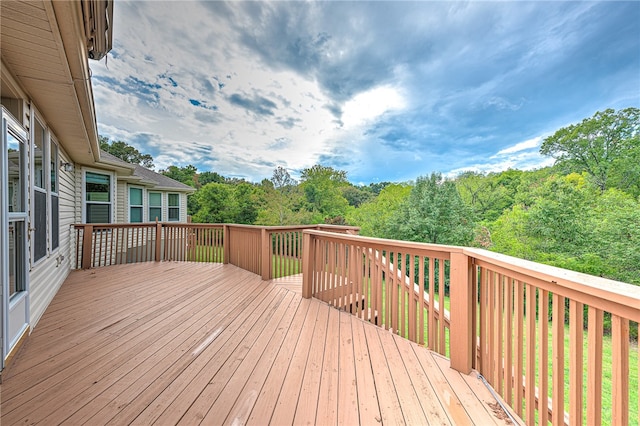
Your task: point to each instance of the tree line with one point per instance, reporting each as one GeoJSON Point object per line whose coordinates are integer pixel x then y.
{"type": "Point", "coordinates": [582, 213]}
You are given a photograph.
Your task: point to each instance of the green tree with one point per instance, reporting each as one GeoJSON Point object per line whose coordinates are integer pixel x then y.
{"type": "Point", "coordinates": [558, 217]}
{"type": "Point", "coordinates": [282, 180]}
{"type": "Point", "coordinates": [356, 195]}
{"type": "Point", "coordinates": [181, 174]}
{"type": "Point", "coordinates": [201, 179]}
{"type": "Point", "coordinates": [434, 213]}
{"type": "Point", "coordinates": [214, 200]}
{"type": "Point", "coordinates": [616, 226]}
{"type": "Point", "coordinates": [322, 187]}
{"type": "Point", "coordinates": [597, 145]}
{"type": "Point", "coordinates": [227, 203]}
{"type": "Point", "coordinates": [375, 216]}
{"type": "Point", "coordinates": [126, 152]}
{"type": "Point", "coordinates": [282, 201]}
{"type": "Point", "coordinates": [487, 195]}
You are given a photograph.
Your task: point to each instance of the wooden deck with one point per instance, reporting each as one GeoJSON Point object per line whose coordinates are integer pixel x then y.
{"type": "Point", "coordinates": [190, 343]}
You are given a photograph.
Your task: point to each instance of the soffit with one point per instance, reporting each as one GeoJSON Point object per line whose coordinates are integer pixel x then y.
{"type": "Point", "coordinates": [43, 45]}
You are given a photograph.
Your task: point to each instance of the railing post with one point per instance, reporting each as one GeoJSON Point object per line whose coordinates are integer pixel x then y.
{"type": "Point", "coordinates": [226, 244]}
{"type": "Point", "coordinates": [461, 331]}
{"type": "Point", "coordinates": [265, 254]}
{"type": "Point", "coordinates": [307, 266]}
{"type": "Point", "coordinates": [158, 241]}
{"type": "Point", "coordinates": [87, 237]}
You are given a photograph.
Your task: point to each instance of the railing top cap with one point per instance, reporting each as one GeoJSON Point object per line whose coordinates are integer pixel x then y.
{"type": "Point", "coordinates": [389, 243]}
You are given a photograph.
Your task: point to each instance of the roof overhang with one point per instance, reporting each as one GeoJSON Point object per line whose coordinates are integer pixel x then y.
{"type": "Point", "coordinates": [45, 46]}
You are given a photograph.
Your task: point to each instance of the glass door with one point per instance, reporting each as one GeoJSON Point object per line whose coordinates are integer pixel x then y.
{"type": "Point", "coordinates": [13, 245]}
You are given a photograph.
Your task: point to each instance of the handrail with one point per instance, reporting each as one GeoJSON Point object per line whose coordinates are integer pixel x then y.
{"type": "Point", "coordinates": [269, 251]}
{"type": "Point", "coordinates": [507, 316]}
{"type": "Point", "coordinates": [381, 280]}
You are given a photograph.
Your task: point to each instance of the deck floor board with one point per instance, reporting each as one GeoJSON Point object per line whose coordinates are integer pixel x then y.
{"type": "Point", "coordinates": [191, 343]}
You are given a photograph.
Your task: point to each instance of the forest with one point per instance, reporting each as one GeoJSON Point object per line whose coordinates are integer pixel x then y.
{"type": "Point", "coordinates": [582, 213]}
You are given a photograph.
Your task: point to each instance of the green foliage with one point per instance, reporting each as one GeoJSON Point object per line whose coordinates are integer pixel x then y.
{"type": "Point", "coordinates": [567, 222]}
{"type": "Point", "coordinates": [487, 195]}
{"type": "Point", "coordinates": [355, 195]}
{"type": "Point", "coordinates": [598, 145]}
{"type": "Point", "coordinates": [434, 213]}
{"type": "Point", "coordinates": [322, 188]}
{"type": "Point", "coordinates": [616, 224]}
{"type": "Point", "coordinates": [204, 178]}
{"type": "Point", "coordinates": [376, 215]}
{"type": "Point", "coordinates": [558, 215]}
{"type": "Point", "coordinates": [282, 180]}
{"type": "Point", "coordinates": [181, 174]}
{"type": "Point", "coordinates": [125, 152]}
{"type": "Point", "coordinates": [282, 200]}
{"type": "Point", "coordinates": [223, 203]}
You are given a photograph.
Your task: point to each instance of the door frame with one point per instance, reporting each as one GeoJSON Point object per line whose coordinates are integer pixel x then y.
{"type": "Point", "coordinates": [12, 309]}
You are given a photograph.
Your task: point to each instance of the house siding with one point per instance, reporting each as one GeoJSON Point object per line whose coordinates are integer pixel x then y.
{"type": "Point", "coordinates": [122, 202]}
{"type": "Point", "coordinates": [48, 274]}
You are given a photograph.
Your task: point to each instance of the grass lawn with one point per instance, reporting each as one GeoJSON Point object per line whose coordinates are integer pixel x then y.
{"type": "Point", "coordinates": [284, 266]}
{"type": "Point", "coordinates": [206, 254]}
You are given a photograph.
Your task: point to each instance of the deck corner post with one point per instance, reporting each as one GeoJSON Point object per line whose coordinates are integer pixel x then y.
{"type": "Point", "coordinates": [307, 267]}
{"type": "Point", "coordinates": [226, 244]}
{"type": "Point", "coordinates": [461, 339]}
{"type": "Point", "coordinates": [158, 241]}
{"type": "Point", "coordinates": [265, 254]}
{"type": "Point", "coordinates": [87, 237]}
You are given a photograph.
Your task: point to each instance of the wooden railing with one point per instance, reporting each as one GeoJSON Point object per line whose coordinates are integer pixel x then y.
{"type": "Point", "coordinates": [509, 320]}
{"type": "Point", "coordinates": [388, 283]}
{"type": "Point", "coordinates": [113, 244]}
{"type": "Point", "coordinates": [264, 250]}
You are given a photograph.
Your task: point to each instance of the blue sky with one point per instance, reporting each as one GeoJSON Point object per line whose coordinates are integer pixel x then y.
{"type": "Point", "coordinates": [387, 91]}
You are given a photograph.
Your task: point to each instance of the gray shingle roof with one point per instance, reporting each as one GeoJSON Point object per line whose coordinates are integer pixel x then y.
{"type": "Point", "coordinates": [160, 180]}
{"type": "Point", "coordinates": [146, 175]}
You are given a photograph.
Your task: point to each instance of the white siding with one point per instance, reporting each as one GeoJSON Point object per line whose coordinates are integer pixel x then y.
{"type": "Point", "coordinates": [183, 207]}
{"type": "Point", "coordinates": [122, 202]}
{"type": "Point", "coordinates": [77, 175]}
{"type": "Point", "coordinates": [48, 275]}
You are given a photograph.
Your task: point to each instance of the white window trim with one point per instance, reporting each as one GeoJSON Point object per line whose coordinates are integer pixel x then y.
{"type": "Point", "coordinates": [143, 205]}
{"type": "Point", "coordinates": [84, 190]}
{"type": "Point", "coordinates": [37, 118]}
{"type": "Point", "coordinates": [173, 207]}
{"type": "Point", "coordinates": [56, 164]}
{"type": "Point", "coordinates": [161, 206]}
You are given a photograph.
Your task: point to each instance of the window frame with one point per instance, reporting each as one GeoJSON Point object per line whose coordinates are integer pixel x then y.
{"type": "Point", "coordinates": [39, 192]}
{"type": "Point", "coordinates": [150, 206]}
{"type": "Point", "coordinates": [170, 207]}
{"type": "Point", "coordinates": [54, 164]}
{"type": "Point", "coordinates": [137, 206]}
{"type": "Point", "coordinates": [112, 192]}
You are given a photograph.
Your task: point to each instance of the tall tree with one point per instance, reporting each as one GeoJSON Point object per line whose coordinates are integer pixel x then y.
{"type": "Point", "coordinates": [375, 216]}
{"type": "Point", "coordinates": [322, 188]}
{"type": "Point", "coordinates": [282, 180]}
{"type": "Point", "coordinates": [434, 213]}
{"type": "Point", "coordinates": [126, 152]}
{"type": "Point", "coordinates": [597, 144]}
{"type": "Point", "coordinates": [184, 174]}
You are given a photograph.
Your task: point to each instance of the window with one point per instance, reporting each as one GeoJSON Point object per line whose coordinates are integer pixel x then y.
{"type": "Point", "coordinates": [174, 207]}
{"type": "Point", "coordinates": [135, 205]}
{"type": "Point", "coordinates": [155, 206]}
{"type": "Point", "coordinates": [97, 197]}
{"type": "Point", "coordinates": [39, 219]}
{"type": "Point", "coordinates": [55, 216]}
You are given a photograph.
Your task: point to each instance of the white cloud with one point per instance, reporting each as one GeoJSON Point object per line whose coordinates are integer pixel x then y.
{"type": "Point", "coordinates": [522, 146]}
{"type": "Point", "coordinates": [367, 106]}
{"type": "Point", "coordinates": [522, 161]}
{"type": "Point", "coordinates": [384, 90]}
